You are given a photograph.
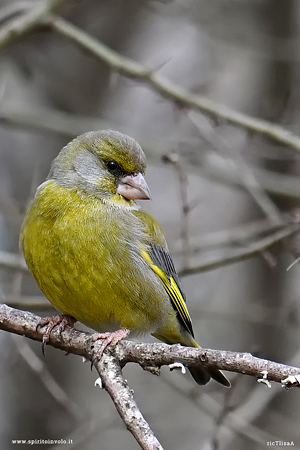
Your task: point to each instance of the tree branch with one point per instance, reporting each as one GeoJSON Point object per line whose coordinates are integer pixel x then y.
{"type": "Point", "coordinates": [148, 356]}
{"type": "Point", "coordinates": [109, 369]}
{"type": "Point", "coordinates": [210, 165]}
{"type": "Point", "coordinates": [47, 120]}
{"type": "Point", "coordinates": [251, 184]}
{"type": "Point", "coordinates": [145, 354]}
{"type": "Point", "coordinates": [33, 19]}
{"type": "Point", "coordinates": [245, 252]}
{"type": "Point", "coordinates": [42, 16]}
{"type": "Point", "coordinates": [172, 91]}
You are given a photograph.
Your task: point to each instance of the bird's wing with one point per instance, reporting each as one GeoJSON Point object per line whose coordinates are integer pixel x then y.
{"type": "Point", "coordinates": [155, 252]}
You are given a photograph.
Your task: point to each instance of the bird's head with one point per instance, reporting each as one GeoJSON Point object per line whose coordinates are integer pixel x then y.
{"type": "Point", "coordinates": [106, 164]}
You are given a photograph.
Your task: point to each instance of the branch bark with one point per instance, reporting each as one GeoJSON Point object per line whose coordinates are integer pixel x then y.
{"type": "Point", "coordinates": [110, 372]}
{"type": "Point", "coordinates": [149, 356]}
{"type": "Point", "coordinates": [145, 354]}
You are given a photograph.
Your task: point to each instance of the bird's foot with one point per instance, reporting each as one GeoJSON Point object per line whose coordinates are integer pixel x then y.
{"type": "Point", "coordinates": [62, 320]}
{"type": "Point", "coordinates": [110, 338]}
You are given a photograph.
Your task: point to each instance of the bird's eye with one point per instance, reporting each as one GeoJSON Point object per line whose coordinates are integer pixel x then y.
{"type": "Point", "coordinates": [112, 166]}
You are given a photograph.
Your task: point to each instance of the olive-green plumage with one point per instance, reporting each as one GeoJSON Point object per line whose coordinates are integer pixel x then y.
{"type": "Point", "coordinates": [97, 257]}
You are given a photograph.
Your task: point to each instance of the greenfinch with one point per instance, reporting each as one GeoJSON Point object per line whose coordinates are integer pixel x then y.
{"type": "Point", "coordinates": [96, 256]}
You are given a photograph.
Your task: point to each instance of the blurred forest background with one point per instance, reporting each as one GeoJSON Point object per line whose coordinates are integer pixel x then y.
{"type": "Point", "coordinates": [222, 193]}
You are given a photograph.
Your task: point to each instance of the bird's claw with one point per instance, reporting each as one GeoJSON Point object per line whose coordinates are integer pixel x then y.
{"type": "Point", "coordinates": [109, 338]}
{"type": "Point", "coordinates": [62, 320]}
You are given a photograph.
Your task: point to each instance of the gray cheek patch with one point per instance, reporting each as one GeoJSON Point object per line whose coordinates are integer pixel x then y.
{"type": "Point", "coordinates": [88, 167]}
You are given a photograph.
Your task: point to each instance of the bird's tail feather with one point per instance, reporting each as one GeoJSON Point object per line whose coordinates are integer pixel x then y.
{"type": "Point", "coordinates": [202, 375]}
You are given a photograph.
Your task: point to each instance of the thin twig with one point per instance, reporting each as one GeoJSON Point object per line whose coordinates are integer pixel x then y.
{"type": "Point", "coordinates": [174, 159]}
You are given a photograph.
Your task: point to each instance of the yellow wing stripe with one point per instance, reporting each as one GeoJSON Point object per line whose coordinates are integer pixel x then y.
{"type": "Point", "coordinates": [172, 289]}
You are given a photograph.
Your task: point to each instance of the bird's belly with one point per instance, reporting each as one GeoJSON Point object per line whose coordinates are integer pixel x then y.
{"type": "Point", "coordinates": [104, 297]}
{"type": "Point", "coordinates": [102, 305]}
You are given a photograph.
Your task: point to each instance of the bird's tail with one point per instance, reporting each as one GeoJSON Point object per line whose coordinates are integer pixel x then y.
{"type": "Point", "coordinates": [203, 375]}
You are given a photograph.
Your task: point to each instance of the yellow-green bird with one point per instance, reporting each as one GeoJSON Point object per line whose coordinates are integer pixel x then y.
{"type": "Point", "coordinates": [96, 256]}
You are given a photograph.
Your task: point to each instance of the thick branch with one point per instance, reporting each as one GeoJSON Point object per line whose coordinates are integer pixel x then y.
{"type": "Point", "coordinates": [147, 355]}
{"type": "Point", "coordinates": [109, 368]}
{"type": "Point", "coordinates": [111, 376]}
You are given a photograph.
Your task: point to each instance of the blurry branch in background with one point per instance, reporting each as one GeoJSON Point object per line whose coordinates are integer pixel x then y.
{"type": "Point", "coordinates": [182, 97]}
{"type": "Point", "coordinates": [150, 356]}
{"type": "Point", "coordinates": [42, 15]}
{"type": "Point", "coordinates": [175, 161]}
{"type": "Point", "coordinates": [247, 247]}
{"type": "Point", "coordinates": [234, 423]}
{"type": "Point", "coordinates": [224, 170]}
{"type": "Point", "coordinates": [33, 19]}
{"type": "Point", "coordinates": [85, 424]}
{"type": "Point", "coordinates": [12, 261]}
{"type": "Point", "coordinates": [221, 417]}
{"type": "Point", "coordinates": [27, 302]}
{"type": "Point", "coordinates": [40, 369]}
{"type": "Point", "coordinates": [253, 406]}
{"type": "Point", "coordinates": [208, 132]}
{"type": "Point", "coordinates": [10, 10]}
{"type": "Point", "coordinates": [48, 120]}
{"type": "Point", "coordinates": [232, 237]}
{"type": "Point", "coordinates": [252, 249]}
{"type": "Point", "coordinates": [210, 164]}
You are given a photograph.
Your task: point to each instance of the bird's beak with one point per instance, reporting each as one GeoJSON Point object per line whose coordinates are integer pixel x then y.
{"type": "Point", "coordinates": [134, 187]}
